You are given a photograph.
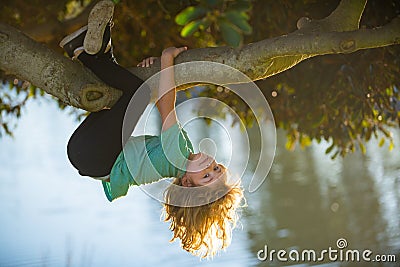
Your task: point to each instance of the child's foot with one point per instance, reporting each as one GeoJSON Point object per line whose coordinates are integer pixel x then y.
{"type": "Point", "coordinates": [74, 42]}
{"type": "Point", "coordinates": [99, 19]}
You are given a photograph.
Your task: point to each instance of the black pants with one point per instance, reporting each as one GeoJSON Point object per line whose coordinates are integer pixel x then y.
{"type": "Point", "coordinates": [97, 142]}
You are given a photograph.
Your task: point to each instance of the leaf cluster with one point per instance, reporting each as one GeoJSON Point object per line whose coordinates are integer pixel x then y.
{"type": "Point", "coordinates": [228, 18]}
{"type": "Point", "coordinates": [13, 97]}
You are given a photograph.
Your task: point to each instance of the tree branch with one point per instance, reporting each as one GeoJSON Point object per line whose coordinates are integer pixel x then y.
{"type": "Point", "coordinates": [274, 55]}
{"type": "Point", "coordinates": [346, 17]}
{"type": "Point", "coordinates": [61, 77]}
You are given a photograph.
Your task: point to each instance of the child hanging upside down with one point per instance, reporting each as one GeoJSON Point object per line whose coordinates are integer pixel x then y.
{"type": "Point", "coordinates": [102, 149]}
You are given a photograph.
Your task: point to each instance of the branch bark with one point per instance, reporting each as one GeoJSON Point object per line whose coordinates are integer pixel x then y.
{"type": "Point", "coordinates": [57, 75]}
{"type": "Point", "coordinates": [346, 17]}
{"type": "Point", "coordinates": [76, 86]}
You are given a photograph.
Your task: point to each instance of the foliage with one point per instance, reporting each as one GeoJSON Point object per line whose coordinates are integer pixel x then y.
{"type": "Point", "coordinates": [12, 100]}
{"type": "Point", "coordinates": [345, 99]}
{"type": "Point", "coordinates": [347, 118]}
{"type": "Point", "coordinates": [229, 18]}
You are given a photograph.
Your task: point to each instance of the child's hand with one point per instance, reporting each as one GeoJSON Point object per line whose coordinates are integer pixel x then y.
{"type": "Point", "coordinates": [173, 52]}
{"type": "Point", "coordinates": [146, 62]}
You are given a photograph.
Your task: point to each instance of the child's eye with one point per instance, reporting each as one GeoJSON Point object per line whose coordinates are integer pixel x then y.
{"type": "Point", "coordinates": [205, 176]}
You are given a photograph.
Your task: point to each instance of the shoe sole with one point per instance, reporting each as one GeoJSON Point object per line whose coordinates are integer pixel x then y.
{"type": "Point", "coordinates": [99, 17]}
{"type": "Point", "coordinates": [72, 36]}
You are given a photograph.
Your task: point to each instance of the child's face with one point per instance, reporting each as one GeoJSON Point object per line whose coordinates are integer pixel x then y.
{"type": "Point", "coordinates": [201, 170]}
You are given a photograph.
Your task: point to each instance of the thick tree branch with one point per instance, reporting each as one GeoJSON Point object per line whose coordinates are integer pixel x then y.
{"type": "Point", "coordinates": [61, 77]}
{"type": "Point", "coordinates": [271, 56]}
{"type": "Point", "coordinates": [346, 17]}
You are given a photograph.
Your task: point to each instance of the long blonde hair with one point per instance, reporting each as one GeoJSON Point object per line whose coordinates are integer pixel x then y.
{"type": "Point", "coordinates": [206, 229]}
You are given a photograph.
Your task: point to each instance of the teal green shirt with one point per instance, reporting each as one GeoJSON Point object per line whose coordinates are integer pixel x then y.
{"type": "Point", "coordinates": [147, 159]}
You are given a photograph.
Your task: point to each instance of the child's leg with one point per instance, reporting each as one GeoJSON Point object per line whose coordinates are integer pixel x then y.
{"type": "Point", "coordinates": [111, 73]}
{"type": "Point", "coordinates": [97, 142]}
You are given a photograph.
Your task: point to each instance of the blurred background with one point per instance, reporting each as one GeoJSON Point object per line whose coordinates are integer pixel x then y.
{"type": "Point", "coordinates": [336, 172]}
{"type": "Point", "coordinates": [51, 216]}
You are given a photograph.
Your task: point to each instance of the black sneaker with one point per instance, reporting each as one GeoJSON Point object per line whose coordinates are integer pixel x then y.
{"type": "Point", "coordinates": [99, 21]}
{"type": "Point", "coordinates": [74, 41]}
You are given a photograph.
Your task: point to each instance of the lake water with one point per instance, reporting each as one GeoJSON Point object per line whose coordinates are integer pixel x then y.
{"type": "Point", "coordinates": [53, 217]}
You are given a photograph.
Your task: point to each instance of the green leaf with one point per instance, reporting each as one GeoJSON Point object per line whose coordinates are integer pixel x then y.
{"type": "Point", "coordinates": [189, 14]}
{"type": "Point", "coordinates": [385, 131]}
{"type": "Point", "coordinates": [290, 144]}
{"type": "Point", "coordinates": [352, 148]}
{"type": "Point", "coordinates": [6, 129]}
{"type": "Point", "coordinates": [329, 149]}
{"type": "Point", "coordinates": [241, 6]}
{"type": "Point", "coordinates": [382, 142]}
{"type": "Point", "coordinates": [231, 36]}
{"type": "Point", "coordinates": [362, 147]}
{"type": "Point", "coordinates": [239, 19]}
{"type": "Point", "coordinates": [335, 155]}
{"type": "Point", "coordinates": [305, 141]}
{"type": "Point", "coordinates": [190, 28]}
{"type": "Point", "coordinates": [368, 134]}
{"type": "Point", "coordinates": [391, 145]}
{"type": "Point", "coordinates": [365, 124]}
{"type": "Point", "coordinates": [32, 91]}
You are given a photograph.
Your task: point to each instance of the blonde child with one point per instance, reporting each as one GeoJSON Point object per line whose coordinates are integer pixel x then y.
{"type": "Point", "coordinates": [103, 149]}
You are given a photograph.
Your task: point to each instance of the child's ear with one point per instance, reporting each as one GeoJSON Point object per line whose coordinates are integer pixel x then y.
{"type": "Point", "coordinates": [185, 181]}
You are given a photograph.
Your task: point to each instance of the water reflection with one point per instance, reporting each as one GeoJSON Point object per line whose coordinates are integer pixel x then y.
{"type": "Point", "coordinates": [310, 201]}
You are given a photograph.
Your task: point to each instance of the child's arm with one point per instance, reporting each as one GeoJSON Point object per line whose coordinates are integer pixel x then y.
{"type": "Point", "coordinates": [167, 90]}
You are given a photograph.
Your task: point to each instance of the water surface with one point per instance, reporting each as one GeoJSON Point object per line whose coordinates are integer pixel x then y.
{"type": "Point", "coordinates": [53, 217]}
